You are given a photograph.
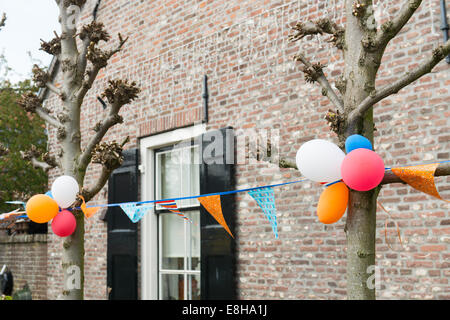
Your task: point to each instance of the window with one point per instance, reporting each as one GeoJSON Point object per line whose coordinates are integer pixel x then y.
{"type": "Point", "coordinates": [180, 260]}
{"type": "Point", "coordinates": [177, 175]}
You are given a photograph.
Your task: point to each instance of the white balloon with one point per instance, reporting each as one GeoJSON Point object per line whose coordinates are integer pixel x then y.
{"type": "Point", "coordinates": [65, 190]}
{"type": "Point", "coordinates": [320, 160]}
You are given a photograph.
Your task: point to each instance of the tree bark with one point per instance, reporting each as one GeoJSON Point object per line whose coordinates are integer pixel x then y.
{"type": "Point", "coordinates": [360, 73]}
{"type": "Point", "coordinates": [360, 231]}
{"type": "Point", "coordinates": [72, 261]}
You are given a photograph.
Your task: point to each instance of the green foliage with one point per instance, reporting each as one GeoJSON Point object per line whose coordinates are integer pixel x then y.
{"type": "Point", "coordinates": [3, 297]}
{"type": "Point", "coordinates": [23, 294]}
{"type": "Point", "coordinates": [18, 131]}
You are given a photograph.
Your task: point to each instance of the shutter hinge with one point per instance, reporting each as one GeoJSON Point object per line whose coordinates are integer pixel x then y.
{"type": "Point", "coordinates": [141, 168]}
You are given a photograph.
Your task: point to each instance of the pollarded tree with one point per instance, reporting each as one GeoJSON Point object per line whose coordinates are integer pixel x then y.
{"type": "Point", "coordinates": [362, 45]}
{"type": "Point", "coordinates": [81, 58]}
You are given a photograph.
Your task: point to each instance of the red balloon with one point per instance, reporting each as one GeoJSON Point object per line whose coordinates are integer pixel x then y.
{"type": "Point", "coordinates": [64, 224]}
{"type": "Point", "coordinates": [362, 169]}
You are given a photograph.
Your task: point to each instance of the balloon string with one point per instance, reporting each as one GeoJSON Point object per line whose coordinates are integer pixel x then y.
{"type": "Point", "coordinates": [386, 225]}
{"type": "Point", "coordinates": [398, 232]}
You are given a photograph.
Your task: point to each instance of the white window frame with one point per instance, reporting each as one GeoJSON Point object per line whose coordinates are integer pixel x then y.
{"type": "Point", "coordinates": [149, 223]}
{"type": "Point", "coordinates": [187, 271]}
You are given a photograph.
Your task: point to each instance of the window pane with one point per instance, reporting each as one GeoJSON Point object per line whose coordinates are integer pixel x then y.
{"type": "Point", "coordinates": [173, 241]}
{"type": "Point", "coordinates": [172, 287]}
{"type": "Point", "coordinates": [193, 287]}
{"type": "Point", "coordinates": [194, 247]}
{"type": "Point", "coordinates": [195, 171]}
{"type": "Point", "coordinates": [190, 175]}
{"type": "Point", "coordinates": [169, 174]}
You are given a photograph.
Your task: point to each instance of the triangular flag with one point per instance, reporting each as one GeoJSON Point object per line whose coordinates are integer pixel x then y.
{"type": "Point", "coordinates": [7, 215]}
{"type": "Point", "coordinates": [134, 212]}
{"type": "Point", "coordinates": [88, 212]}
{"type": "Point", "coordinates": [16, 202]}
{"type": "Point", "coordinates": [213, 205]}
{"type": "Point", "coordinates": [171, 205]}
{"type": "Point", "coordinates": [266, 200]}
{"type": "Point", "coordinates": [420, 177]}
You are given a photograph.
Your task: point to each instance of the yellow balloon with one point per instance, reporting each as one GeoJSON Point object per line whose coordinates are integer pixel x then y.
{"type": "Point", "coordinates": [41, 208]}
{"type": "Point", "coordinates": [332, 203]}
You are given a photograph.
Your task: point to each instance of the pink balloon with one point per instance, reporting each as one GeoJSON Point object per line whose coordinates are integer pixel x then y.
{"type": "Point", "coordinates": [64, 224]}
{"type": "Point", "coordinates": [362, 169]}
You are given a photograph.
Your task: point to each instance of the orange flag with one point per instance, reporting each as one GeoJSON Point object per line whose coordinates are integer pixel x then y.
{"type": "Point", "coordinates": [420, 177]}
{"type": "Point", "coordinates": [213, 205]}
{"type": "Point", "coordinates": [88, 212]}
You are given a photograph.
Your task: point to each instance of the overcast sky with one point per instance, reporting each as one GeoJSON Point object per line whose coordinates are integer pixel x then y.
{"type": "Point", "coordinates": [27, 22]}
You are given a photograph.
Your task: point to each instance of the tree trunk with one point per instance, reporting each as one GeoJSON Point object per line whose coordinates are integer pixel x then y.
{"type": "Point", "coordinates": [73, 246]}
{"type": "Point", "coordinates": [360, 73]}
{"type": "Point", "coordinates": [73, 262]}
{"type": "Point", "coordinates": [361, 231]}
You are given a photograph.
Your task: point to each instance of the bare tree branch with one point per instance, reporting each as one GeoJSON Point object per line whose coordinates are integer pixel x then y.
{"type": "Point", "coordinates": [89, 193]}
{"type": "Point", "coordinates": [93, 32]}
{"type": "Point", "coordinates": [391, 28]}
{"type": "Point", "coordinates": [442, 170]}
{"type": "Point", "coordinates": [110, 156]}
{"type": "Point", "coordinates": [286, 163]}
{"type": "Point", "coordinates": [377, 95]}
{"type": "Point", "coordinates": [48, 162]}
{"type": "Point", "coordinates": [40, 165]}
{"type": "Point", "coordinates": [118, 94]}
{"type": "Point", "coordinates": [99, 60]}
{"type": "Point", "coordinates": [389, 177]}
{"type": "Point", "coordinates": [48, 118]}
{"type": "Point", "coordinates": [315, 73]}
{"type": "Point", "coordinates": [112, 119]}
{"type": "Point", "coordinates": [53, 46]}
{"type": "Point", "coordinates": [32, 103]}
{"type": "Point", "coordinates": [42, 79]}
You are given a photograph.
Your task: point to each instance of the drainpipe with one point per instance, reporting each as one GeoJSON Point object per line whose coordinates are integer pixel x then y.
{"type": "Point", "coordinates": [94, 13]}
{"type": "Point", "coordinates": [444, 25]}
{"type": "Point", "coordinates": [205, 97]}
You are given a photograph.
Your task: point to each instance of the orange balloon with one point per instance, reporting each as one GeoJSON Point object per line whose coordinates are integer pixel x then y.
{"type": "Point", "coordinates": [41, 208]}
{"type": "Point", "coordinates": [332, 203]}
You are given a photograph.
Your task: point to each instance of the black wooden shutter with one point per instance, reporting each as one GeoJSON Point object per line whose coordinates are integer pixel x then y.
{"type": "Point", "coordinates": [122, 233]}
{"type": "Point", "coordinates": [217, 247]}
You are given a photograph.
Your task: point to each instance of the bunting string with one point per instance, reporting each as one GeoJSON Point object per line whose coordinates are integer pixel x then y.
{"type": "Point", "coordinates": [246, 189]}
{"type": "Point", "coordinates": [420, 177]}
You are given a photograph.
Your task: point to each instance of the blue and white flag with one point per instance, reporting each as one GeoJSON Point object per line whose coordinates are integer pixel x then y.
{"type": "Point", "coordinates": [266, 201]}
{"type": "Point", "coordinates": [135, 212]}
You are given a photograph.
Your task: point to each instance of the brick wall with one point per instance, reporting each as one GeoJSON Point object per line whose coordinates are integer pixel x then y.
{"type": "Point", "coordinates": [26, 258]}
{"type": "Point", "coordinates": [254, 85]}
